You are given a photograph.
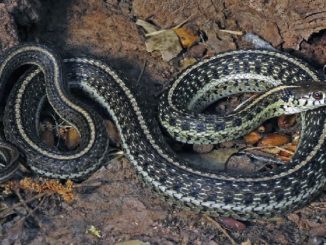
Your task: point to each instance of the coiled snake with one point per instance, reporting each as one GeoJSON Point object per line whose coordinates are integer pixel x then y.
{"type": "Point", "coordinates": [287, 86]}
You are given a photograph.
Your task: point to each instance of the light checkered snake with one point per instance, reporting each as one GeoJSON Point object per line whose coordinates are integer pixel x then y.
{"type": "Point", "coordinates": [286, 85]}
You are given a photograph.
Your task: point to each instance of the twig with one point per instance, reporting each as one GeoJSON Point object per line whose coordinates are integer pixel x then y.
{"type": "Point", "coordinates": [38, 196]}
{"type": "Point", "coordinates": [263, 241]}
{"type": "Point", "coordinates": [218, 226]}
{"type": "Point", "coordinates": [29, 210]}
{"type": "Point", "coordinates": [141, 73]}
{"type": "Point", "coordinates": [31, 213]}
{"type": "Point", "coordinates": [184, 22]}
{"type": "Point", "coordinates": [267, 147]}
{"type": "Point", "coordinates": [238, 33]}
{"type": "Point", "coordinates": [20, 203]}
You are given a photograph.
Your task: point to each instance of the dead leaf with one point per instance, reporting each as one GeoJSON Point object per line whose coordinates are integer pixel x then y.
{"type": "Point", "coordinates": [70, 136]}
{"type": "Point", "coordinates": [94, 231]}
{"type": "Point", "coordinates": [72, 139]}
{"type": "Point", "coordinates": [165, 41]}
{"type": "Point", "coordinates": [252, 138]}
{"type": "Point", "coordinates": [232, 224]}
{"type": "Point", "coordinates": [65, 191]}
{"type": "Point", "coordinates": [274, 140]}
{"type": "Point", "coordinates": [187, 37]}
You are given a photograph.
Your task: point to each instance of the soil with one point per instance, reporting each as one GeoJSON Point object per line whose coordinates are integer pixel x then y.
{"type": "Point", "coordinates": [114, 205]}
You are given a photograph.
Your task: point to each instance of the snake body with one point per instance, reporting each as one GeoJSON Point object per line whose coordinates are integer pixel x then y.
{"type": "Point", "coordinates": [238, 195]}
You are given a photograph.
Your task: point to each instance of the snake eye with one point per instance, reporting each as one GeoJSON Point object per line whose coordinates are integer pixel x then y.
{"type": "Point", "coordinates": [317, 95]}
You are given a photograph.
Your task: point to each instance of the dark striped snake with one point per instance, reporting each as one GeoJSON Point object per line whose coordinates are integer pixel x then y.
{"type": "Point", "coordinates": [286, 86]}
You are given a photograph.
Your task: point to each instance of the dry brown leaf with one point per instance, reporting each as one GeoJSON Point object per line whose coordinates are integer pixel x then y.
{"type": "Point", "coordinates": [53, 186]}
{"type": "Point", "coordinates": [72, 138]}
{"type": "Point", "coordinates": [252, 138]}
{"type": "Point", "coordinates": [187, 37]}
{"type": "Point", "coordinates": [165, 41]}
{"type": "Point", "coordinates": [274, 140]}
{"type": "Point", "coordinates": [232, 224]}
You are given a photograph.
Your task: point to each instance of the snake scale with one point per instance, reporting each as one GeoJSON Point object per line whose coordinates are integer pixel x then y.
{"type": "Point", "coordinates": [286, 85]}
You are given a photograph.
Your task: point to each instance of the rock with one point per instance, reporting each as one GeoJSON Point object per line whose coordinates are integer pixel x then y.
{"type": "Point", "coordinates": [203, 148]}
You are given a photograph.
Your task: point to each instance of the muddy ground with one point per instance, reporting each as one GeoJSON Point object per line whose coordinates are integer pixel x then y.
{"type": "Point", "coordinates": [113, 205]}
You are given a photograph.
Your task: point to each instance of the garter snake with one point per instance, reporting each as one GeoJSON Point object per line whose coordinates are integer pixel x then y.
{"type": "Point", "coordinates": [284, 81]}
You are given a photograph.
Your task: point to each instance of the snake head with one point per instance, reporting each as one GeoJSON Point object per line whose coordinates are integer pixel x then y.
{"type": "Point", "coordinates": [307, 96]}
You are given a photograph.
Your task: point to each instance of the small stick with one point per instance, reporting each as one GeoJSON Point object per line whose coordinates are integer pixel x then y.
{"type": "Point", "coordinates": [141, 73]}
{"type": "Point", "coordinates": [217, 225]}
{"type": "Point", "coordinates": [26, 201]}
{"type": "Point", "coordinates": [29, 210]}
{"type": "Point", "coordinates": [238, 33]}
{"type": "Point", "coordinates": [265, 147]}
